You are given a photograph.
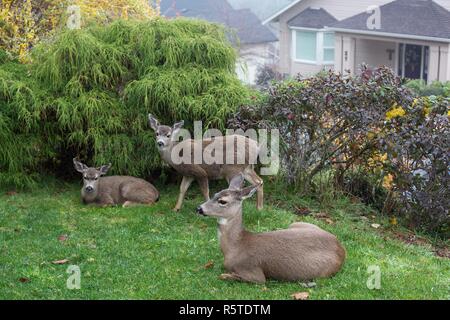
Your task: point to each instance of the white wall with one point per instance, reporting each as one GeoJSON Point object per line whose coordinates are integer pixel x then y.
{"type": "Point", "coordinates": [374, 53]}
{"type": "Point", "coordinates": [251, 58]}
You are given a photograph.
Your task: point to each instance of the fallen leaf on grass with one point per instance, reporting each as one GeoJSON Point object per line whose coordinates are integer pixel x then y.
{"type": "Point", "coordinates": [63, 237]}
{"type": "Point", "coordinates": [24, 279]}
{"type": "Point", "coordinates": [329, 221]}
{"type": "Point", "coordinates": [375, 225]}
{"type": "Point", "coordinates": [302, 211]}
{"type": "Point", "coordinates": [209, 264]}
{"type": "Point", "coordinates": [63, 261]}
{"type": "Point", "coordinates": [300, 295]}
{"type": "Point", "coordinates": [321, 215]}
{"type": "Point", "coordinates": [309, 284]}
{"type": "Point", "coordinates": [393, 221]}
{"type": "Point", "coordinates": [11, 193]}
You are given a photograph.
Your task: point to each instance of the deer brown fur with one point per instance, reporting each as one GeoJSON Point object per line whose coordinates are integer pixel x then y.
{"type": "Point", "coordinates": [301, 252]}
{"type": "Point", "coordinates": [114, 190]}
{"type": "Point", "coordinates": [203, 172]}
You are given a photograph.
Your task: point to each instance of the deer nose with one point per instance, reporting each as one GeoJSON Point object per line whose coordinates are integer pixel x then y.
{"type": "Point", "coordinates": [89, 189]}
{"type": "Point", "coordinates": [200, 210]}
{"type": "Point", "coordinates": [160, 144]}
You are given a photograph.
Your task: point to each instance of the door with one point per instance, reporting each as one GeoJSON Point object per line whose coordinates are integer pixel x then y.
{"type": "Point", "coordinates": [413, 61]}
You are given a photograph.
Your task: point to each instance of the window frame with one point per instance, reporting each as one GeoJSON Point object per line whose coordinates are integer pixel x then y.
{"type": "Point", "coordinates": [319, 46]}
{"type": "Point", "coordinates": [327, 48]}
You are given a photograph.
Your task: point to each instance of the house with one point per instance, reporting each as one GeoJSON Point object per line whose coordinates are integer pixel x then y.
{"type": "Point", "coordinates": [256, 41]}
{"type": "Point", "coordinates": [261, 8]}
{"type": "Point", "coordinates": [410, 36]}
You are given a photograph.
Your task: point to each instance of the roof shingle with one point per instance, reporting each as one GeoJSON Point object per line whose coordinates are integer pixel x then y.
{"type": "Point", "coordinates": [312, 18]}
{"type": "Point", "coordinates": [423, 18]}
{"type": "Point", "coordinates": [248, 27]}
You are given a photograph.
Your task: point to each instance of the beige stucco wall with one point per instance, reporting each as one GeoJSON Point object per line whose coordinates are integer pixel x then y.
{"type": "Point", "coordinates": [251, 58]}
{"type": "Point", "coordinates": [375, 53]}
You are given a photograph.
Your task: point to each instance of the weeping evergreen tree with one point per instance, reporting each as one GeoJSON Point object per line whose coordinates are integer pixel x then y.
{"type": "Point", "coordinates": [88, 93]}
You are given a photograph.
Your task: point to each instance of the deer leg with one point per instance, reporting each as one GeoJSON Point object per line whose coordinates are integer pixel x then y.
{"type": "Point", "coordinates": [251, 177]}
{"type": "Point", "coordinates": [204, 187]}
{"type": "Point", "coordinates": [254, 276]}
{"type": "Point", "coordinates": [130, 204]}
{"type": "Point", "coordinates": [184, 186]}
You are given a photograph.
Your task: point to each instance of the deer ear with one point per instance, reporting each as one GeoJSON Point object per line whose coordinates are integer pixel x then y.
{"type": "Point", "coordinates": [80, 167]}
{"type": "Point", "coordinates": [178, 125]}
{"type": "Point", "coordinates": [248, 192]}
{"type": "Point", "coordinates": [236, 182]}
{"type": "Point", "coordinates": [176, 128]}
{"type": "Point", "coordinates": [104, 169]}
{"type": "Point", "coordinates": [153, 122]}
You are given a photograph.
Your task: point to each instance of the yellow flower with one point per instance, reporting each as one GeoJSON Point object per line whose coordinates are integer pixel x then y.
{"type": "Point", "coordinates": [393, 221]}
{"type": "Point", "coordinates": [387, 181]}
{"type": "Point", "coordinates": [395, 112]}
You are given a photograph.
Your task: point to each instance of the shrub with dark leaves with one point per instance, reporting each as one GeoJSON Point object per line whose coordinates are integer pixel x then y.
{"type": "Point", "coordinates": [377, 139]}
{"type": "Point", "coordinates": [266, 74]}
{"type": "Point", "coordinates": [417, 145]}
{"type": "Point", "coordinates": [325, 120]}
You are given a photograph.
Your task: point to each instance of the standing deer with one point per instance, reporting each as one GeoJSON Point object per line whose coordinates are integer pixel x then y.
{"type": "Point", "coordinates": [203, 172]}
{"type": "Point", "coordinates": [301, 252]}
{"type": "Point", "coordinates": [114, 190]}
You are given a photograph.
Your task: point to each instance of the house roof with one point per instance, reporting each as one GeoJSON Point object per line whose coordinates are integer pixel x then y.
{"type": "Point", "coordinates": [312, 18]}
{"type": "Point", "coordinates": [248, 27]}
{"type": "Point", "coordinates": [415, 18]}
{"type": "Point", "coordinates": [281, 11]}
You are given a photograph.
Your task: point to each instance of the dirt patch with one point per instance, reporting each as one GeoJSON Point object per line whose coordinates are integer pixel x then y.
{"type": "Point", "coordinates": [411, 238]}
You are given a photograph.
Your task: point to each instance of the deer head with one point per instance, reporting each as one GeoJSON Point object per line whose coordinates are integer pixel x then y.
{"type": "Point", "coordinates": [165, 135]}
{"type": "Point", "coordinates": [228, 203]}
{"type": "Point", "coordinates": [90, 176]}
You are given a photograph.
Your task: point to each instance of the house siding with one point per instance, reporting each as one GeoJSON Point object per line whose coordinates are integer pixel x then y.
{"type": "Point", "coordinates": [374, 53]}
{"type": "Point", "coordinates": [340, 9]}
{"type": "Point", "coordinates": [361, 49]}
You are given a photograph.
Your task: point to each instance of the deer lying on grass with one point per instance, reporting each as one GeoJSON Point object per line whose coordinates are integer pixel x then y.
{"type": "Point", "coordinates": [301, 252]}
{"type": "Point", "coordinates": [114, 190]}
{"type": "Point", "coordinates": [165, 140]}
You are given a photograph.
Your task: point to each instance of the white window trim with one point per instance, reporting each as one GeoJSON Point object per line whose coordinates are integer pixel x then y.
{"type": "Point", "coordinates": [327, 48]}
{"type": "Point", "coordinates": [319, 46]}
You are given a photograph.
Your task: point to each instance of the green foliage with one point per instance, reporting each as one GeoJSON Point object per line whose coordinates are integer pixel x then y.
{"type": "Point", "coordinates": [88, 94]}
{"type": "Point", "coordinates": [434, 89]}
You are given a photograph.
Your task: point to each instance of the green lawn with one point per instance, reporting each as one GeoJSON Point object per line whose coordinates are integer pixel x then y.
{"type": "Point", "coordinates": [154, 253]}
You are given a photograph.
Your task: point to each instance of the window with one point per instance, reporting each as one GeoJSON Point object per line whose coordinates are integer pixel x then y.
{"type": "Point", "coordinates": [413, 61]}
{"type": "Point", "coordinates": [313, 46]}
{"type": "Point", "coordinates": [328, 47]}
{"type": "Point", "coordinates": [306, 46]}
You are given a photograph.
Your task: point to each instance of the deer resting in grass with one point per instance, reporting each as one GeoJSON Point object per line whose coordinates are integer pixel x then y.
{"type": "Point", "coordinates": [301, 252]}
{"type": "Point", "coordinates": [203, 172]}
{"type": "Point", "coordinates": [114, 190]}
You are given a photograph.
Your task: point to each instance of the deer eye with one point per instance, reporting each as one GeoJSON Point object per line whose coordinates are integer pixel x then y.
{"type": "Point", "coordinates": [168, 135]}
{"type": "Point", "coordinates": [222, 202]}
